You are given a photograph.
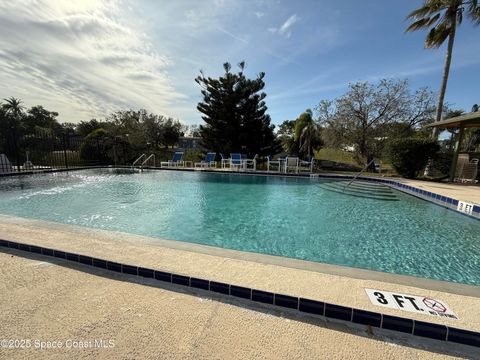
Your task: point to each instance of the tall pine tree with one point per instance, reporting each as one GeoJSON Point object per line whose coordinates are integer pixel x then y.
{"type": "Point", "coordinates": [234, 112]}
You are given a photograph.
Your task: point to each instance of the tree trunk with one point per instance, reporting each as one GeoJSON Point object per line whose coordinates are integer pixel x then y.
{"type": "Point", "coordinates": [446, 70]}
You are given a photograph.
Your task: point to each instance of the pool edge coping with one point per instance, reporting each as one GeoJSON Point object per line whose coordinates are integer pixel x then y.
{"type": "Point", "coordinates": [303, 305]}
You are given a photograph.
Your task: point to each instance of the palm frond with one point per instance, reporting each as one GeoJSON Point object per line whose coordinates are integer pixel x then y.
{"type": "Point", "coordinates": [419, 24]}
{"type": "Point", "coordinates": [437, 36]}
{"type": "Point", "coordinates": [473, 12]}
{"type": "Point", "coordinates": [421, 12]}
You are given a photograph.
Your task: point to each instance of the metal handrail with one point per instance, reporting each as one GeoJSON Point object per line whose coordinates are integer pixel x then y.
{"type": "Point", "coordinates": [138, 159]}
{"type": "Point", "coordinates": [356, 176]}
{"type": "Point", "coordinates": [146, 160]}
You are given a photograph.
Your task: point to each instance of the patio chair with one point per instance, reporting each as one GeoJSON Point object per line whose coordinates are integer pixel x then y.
{"type": "Point", "coordinates": [177, 160]}
{"type": "Point", "coordinates": [209, 160]}
{"type": "Point", "coordinates": [271, 162]}
{"type": "Point", "coordinates": [224, 161]}
{"type": "Point", "coordinates": [306, 164]}
{"type": "Point", "coordinates": [250, 162]}
{"type": "Point", "coordinates": [236, 161]}
{"type": "Point", "coordinates": [469, 172]}
{"type": "Point", "coordinates": [291, 162]}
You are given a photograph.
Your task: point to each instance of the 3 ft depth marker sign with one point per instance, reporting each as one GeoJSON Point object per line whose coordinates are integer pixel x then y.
{"type": "Point", "coordinates": [412, 303]}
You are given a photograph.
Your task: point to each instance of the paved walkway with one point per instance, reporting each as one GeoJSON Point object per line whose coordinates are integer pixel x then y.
{"type": "Point", "coordinates": [465, 192]}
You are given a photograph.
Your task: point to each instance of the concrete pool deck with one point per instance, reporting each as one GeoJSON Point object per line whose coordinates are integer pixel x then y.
{"type": "Point", "coordinates": [47, 300]}
{"type": "Point", "coordinates": [337, 285]}
{"type": "Point", "coordinates": [464, 192]}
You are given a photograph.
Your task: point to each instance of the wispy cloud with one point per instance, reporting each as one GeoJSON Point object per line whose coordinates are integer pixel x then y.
{"type": "Point", "coordinates": [233, 36]}
{"type": "Point", "coordinates": [81, 59]}
{"type": "Point", "coordinates": [286, 27]}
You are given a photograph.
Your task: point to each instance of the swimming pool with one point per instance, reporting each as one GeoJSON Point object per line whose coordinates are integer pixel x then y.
{"type": "Point", "coordinates": [369, 226]}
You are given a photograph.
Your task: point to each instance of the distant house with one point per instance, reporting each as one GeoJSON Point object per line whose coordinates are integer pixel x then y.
{"type": "Point", "coordinates": [189, 143]}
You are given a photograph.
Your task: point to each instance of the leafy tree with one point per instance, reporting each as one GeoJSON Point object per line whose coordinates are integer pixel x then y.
{"type": "Point", "coordinates": [235, 114]}
{"type": "Point", "coordinates": [286, 135]}
{"type": "Point", "coordinates": [172, 130]}
{"type": "Point", "coordinates": [40, 118]}
{"type": "Point", "coordinates": [368, 114]}
{"type": "Point", "coordinates": [442, 17]}
{"type": "Point", "coordinates": [97, 147]}
{"type": "Point", "coordinates": [86, 127]}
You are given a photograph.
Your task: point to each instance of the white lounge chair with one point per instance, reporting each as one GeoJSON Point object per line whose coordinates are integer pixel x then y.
{"type": "Point", "coordinates": [209, 160]}
{"type": "Point", "coordinates": [224, 161]}
{"type": "Point", "coordinates": [273, 163]}
{"type": "Point", "coordinates": [177, 160]}
{"type": "Point", "coordinates": [236, 161]}
{"type": "Point", "coordinates": [469, 172]}
{"type": "Point", "coordinates": [306, 164]}
{"type": "Point", "coordinates": [291, 162]}
{"type": "Point", "coordinates": [250, 162]}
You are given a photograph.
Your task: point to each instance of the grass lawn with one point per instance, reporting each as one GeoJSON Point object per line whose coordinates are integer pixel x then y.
{"type": "Point", "coordinates": [346, 157]}
{"type": "Point", "coordinates": [336, 155]}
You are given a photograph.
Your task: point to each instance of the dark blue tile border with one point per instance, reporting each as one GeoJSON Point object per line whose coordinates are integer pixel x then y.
{"type": "Point", "coordinates": [99, 263]}
{"type": "Point", "coordinates": [113, 266]}
{"type": "Point", "coordinates": [432, 331]}
{"type": "Point", "coordinates": [180, 280]}
{"type": "Point", "coordinates": [286, 301]}
{"type": "Point", "coordinates": [396, 323]}
{"type": "Point", "coordinates": [200, 283]}
{"type": "Point", "coordinates": [338, 312]}
{"type": "Point", "coordinates": [163, 276]}
{"type": "Point", "coordinates": [311, 306]}
{"type": "Point", "coordinates": [262, 296]}
{"type": "Point", "coordinates": [367, 318]}
{"type": "Point", "coordinates": [241, 292]}
{"type": "Point", "coordinates": [146, 273]}
{"type": "Point", "coordinates": [308, 306]}
{"type": "Point", "coordinates": [464, 337]}
{"type": "Point", "coordinates": [221, 288]}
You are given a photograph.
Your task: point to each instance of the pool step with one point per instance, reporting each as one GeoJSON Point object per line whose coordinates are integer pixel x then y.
{"type": "Point", "coordinates": [361, 189]}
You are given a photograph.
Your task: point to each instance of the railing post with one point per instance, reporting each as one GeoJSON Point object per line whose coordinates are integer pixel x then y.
{"type": "Point", "coordinates": [15, 147]}
{"type": "Point", "coordinates": [65, 150]}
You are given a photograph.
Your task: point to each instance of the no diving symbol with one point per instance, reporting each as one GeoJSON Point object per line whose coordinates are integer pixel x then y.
{"type": "Point", "coordinates": [434, 305]}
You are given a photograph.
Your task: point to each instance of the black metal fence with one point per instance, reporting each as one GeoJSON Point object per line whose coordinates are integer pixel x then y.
{"type": "Point", "coordinates": [43, 149]}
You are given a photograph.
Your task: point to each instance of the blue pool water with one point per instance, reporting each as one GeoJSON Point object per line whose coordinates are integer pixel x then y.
{"type": "Point", "coordinates": [368, 226]}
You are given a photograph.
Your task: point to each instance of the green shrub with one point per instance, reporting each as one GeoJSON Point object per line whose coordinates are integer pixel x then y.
{"type": "Point", "coordinates": [96, 147]}
{"type": "Point", "coordinates": [409, 156]}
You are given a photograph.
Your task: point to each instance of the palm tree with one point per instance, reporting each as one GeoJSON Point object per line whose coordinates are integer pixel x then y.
{"type": "Point", "coordinates": [13, 107]}
{"type": "Point", "coordinates": [306, 131]}
{"type": "Point", "coordinates": [442, 18]}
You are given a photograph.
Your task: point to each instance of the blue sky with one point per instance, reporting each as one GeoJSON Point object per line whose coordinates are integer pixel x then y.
{"type": "Point", "coordinates": [85, 59]}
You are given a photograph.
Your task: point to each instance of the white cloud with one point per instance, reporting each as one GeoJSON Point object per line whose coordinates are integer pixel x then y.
{"type": "Point", "coordinates": [259, 14]}
{"type": "Point", "coordinates": [285, 29]}
{"type": "Point", "coordinates": [82, 59]}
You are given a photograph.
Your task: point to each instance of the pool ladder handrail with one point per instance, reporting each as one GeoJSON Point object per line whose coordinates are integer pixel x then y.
{"type": "Point", "coordinates": [147, 159]}
{"type": "Point", "coordinates": [137, 160]}
{"type": "Point", "coordinates": [360, 173]}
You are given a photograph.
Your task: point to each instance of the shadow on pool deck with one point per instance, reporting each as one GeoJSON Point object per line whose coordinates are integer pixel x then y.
{"type": "Point", "coordinates": [439, 347]}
